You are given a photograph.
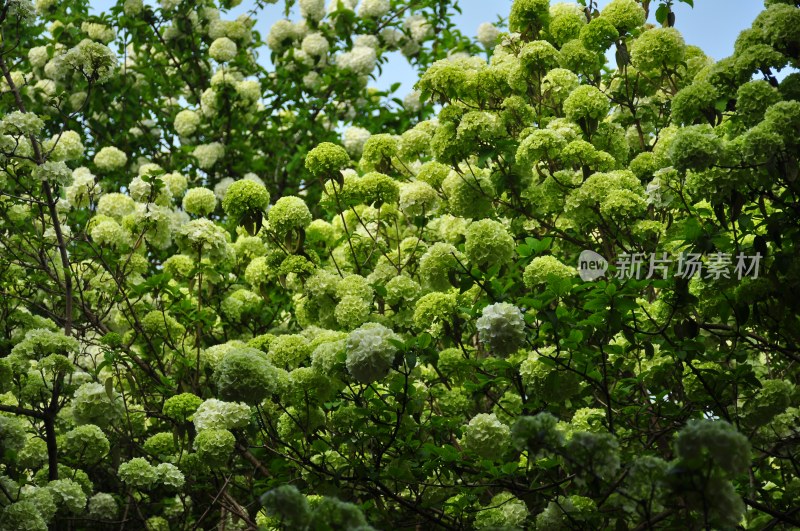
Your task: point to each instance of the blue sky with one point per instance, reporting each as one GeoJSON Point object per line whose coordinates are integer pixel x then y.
{"type": "Point", "coordinates": [713, 25]}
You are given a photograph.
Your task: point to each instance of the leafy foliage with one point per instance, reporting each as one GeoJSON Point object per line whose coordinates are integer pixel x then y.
{"type": "Point", "coordinates": [245, 297]}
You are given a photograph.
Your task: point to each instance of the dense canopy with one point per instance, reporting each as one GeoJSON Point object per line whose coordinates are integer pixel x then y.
{"type": "Point", "coordinates": [242, 289]}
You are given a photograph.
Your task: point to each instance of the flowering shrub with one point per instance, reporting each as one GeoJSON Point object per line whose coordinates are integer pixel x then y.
{"type": "Point", "coordinates": [272, 297]}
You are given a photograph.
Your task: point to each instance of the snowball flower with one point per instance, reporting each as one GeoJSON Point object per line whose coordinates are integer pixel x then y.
{"type": "Point", "coordinates": [418, 198]}
{"type": "Point", "coordinates": [370, 352]}
{"type": "Point", "coordinates": [93, 60]}
{"type": "Point", "coordinates": [327, 160]}
{"type": "Point", "coordinates": [215, 414]}
{"type": "Point", "coordinates": [529, 14]}
{"type": "Point", "coordinates": [487, 436]}
{"type": "Point", "coordinates": [245, 196]}
{"type": "Point", "coordinates": [246, 375]}
{"type": "Point", "coordinates": [504, 511]}
{"type": "Point", "coordinates": [502, 328]}
{"type": "Point", "coordinates": [354, 139]}
{"type": "Point", "coordinates": [360, 60]}
{"type": "Point", "coordinates": [208, 154]}
{"type": "Point", "coordinates": [488, 243]}
{"type": "Point", "coordinates": [658, 48]}
{"type": "Point", "coordinates": [701, 441]}
{"type": "Point", "coordinates": [488, 34]}
{"type": "Point", "coordinates": [214, 446]}
{"type": "Point", "coordinates": [373, 8]}
{"type": "Point", "coordinates": [186, 122]}
{"type": "Point", "coordinates": [586, 102]}
{"type": "Point", "coordinates": [315, 44]}
{"type": "Point", "coordinates": [546, 270]}
{"type": "Point", "coordinates": [312, 9]}
{"type": "Point", "coordinates": [203, 237]}
{"type": "Point", "coordinates": [138, 473]}
{"type": "Point", "coordinates": [222, 49]}
{"type": "Point", "coordinates": [289, 213]}
{"type": "Point", "coordinates": [169, 475]}
{"type": "Point", "coordinates": [625, 15]}
{"type": "Point", "coordinates": [103, 506]}
{"type": "Point", "coordinates": [199, 201]}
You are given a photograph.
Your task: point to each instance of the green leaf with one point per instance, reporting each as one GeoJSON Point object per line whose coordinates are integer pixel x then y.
{"type": "Point", "coordinates": [661, 13]}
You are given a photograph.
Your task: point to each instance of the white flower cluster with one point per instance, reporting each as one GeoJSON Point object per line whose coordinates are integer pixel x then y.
{"type": "Point", "coordinates": [502, 328]}
{"type": "Point", "coordinates": [373, 8]}
{"type": "Point", "coordinates": [208, 154]}
{"type": "Point", "coordinates": [370, 352]}
{"type": "Point", "coordinates": [487, 436]}
{"type": "Point", "coordinates": [223, 50]}
{"type": "Point", "coordinates": [361, 60]}
{"type": "Point", "coordinates": [488, 34]}
{"type": "Point", "coordinates": [354, 139]}
{"type": "Point", "coordinates": [215, 414]}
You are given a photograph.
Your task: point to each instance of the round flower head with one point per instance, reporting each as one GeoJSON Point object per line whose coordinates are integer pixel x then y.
{"type": "Point", "coordinates": [566, 22]}
{"type": "Point", "coordinates": [586, 103]}
{"type": "Point", "coordinates": [138, 473]}
{"type": "Point", "coordinates": [546, 270]}
{"type": "Point", "coordinates": [327, 160]}
{"type": "Point", "coordinates": [529, 16]}
{"type": "Point", "coordinates": [703, 441]}
{"type": "Point", "coordinates": [103, 506]}
{"type": "Point", "coordinates": [315, 45]}
{"type": "Point", "coordinates": [370, 352]}
{"type": "Point", "coordinates": [87, 442]}
{"type": "Point", "coordinates": [488, 34]}
{"type": "Point", "coordinates": [245, 197]}
{"type": "Point", "coordinates": [354, 139]}
{"type": "Point", "coordinates": [289, 213]}
{"type": "Point", "coordinates": [694, 103]}
{"type": "Point", "coordinates": [223, 50]}
{"type": "Point", "coordinates": [378, 152]}
{"type": "Point", "coordinates": [435, 311]}
{"type": "Point", "coordinates": [468, 195]}
{"type": "Point", "coordinates": [199, 201]}
{"type": "Point", "coordinates": [312, 9]}
{"type": "Point", "coordinates": [202, 237]}
{"type": "Point", "coordinates": [68, 494]}
{"type": "Point", "coordinates": [360, 60]}
{"type": "Point", "coordinates": [377, 188]}
{"type": "Point", "coordinates": [487, 436]}
{"type": "Point", "coordinates": [281, 35]}
{"type": "Point", "coordinates": [502, 328]}
{"type": "Point", "coordinates": [695, 147]}
{"type": "Point", "coordinates": [418, 198]}
{"type": "Point", "coordinates": [658, 48]}
{"type": "Point", "coordinates": [594, 455]}
{"type": "Point", "coordinates": [214, 447]}
{"type": "Point", "coordinates": [245, 375]}
{"type": "Point", "coordinates": [434, 173]}
{"type": "Point", "coordinates": [624, 15]}
{"type": "Point", "coordinates": [110, 158]}
{"type": "Point", "coordinates": [186, 122]}
{"type": "Point", "coordinates": [208, 154]}
{"type": "Point", "coordinates": [215, 414]}
{"type": "Point", "coordinates": [488, 243]}
{"type": "Point", "coordinates": [599, 34]}
{"type": "Point", "coordinates": [537, 432]}
{"type": "Point", "coordinates": [95, 61]}
{"type": "Point", "coordinates": [373, 8]}
{"type": "Point", "coordinates": [169, 475]}
{"type": "Point", "coordinates": [181, 407]}
{"type": "Point", "coordinates": [504, 511]}
{"type": "Point", "coordinates": [92, 405]}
